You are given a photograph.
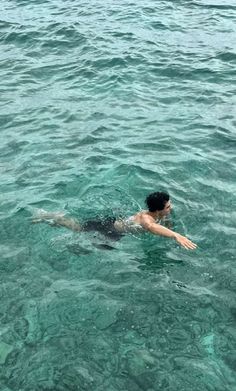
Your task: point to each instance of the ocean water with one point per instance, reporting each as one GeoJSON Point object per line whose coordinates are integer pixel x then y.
{"type": "Point", "coordinates": [103, 102]}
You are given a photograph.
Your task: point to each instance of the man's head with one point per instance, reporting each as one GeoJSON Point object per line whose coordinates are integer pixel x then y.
{"type": "Point", "coordinates": [159, 202]}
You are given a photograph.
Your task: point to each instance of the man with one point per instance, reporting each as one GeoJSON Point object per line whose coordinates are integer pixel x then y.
{"type": "Point", "coordinates": [159, 206]}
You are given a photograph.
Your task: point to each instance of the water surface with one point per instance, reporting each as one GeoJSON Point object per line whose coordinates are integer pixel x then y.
{"type": "Point", "coordinates": [101, 104]}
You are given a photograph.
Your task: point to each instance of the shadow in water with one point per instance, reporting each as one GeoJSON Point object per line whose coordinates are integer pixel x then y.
{"type": "Point", "coordinates": [77, 249]}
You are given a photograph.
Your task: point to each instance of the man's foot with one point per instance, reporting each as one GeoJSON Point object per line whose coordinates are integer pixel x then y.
{"type": "Point", "coordinates": [49, 217]}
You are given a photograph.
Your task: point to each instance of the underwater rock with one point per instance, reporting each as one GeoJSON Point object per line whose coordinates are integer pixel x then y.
{"type": "Point", "coordinates": [139, 361]}
{"type": "Point", "coordinates": [32, 318]}
{"type": "Point", "coordinates": [5, 349]}
{"type": "Point", "coordinates": [107, 316]}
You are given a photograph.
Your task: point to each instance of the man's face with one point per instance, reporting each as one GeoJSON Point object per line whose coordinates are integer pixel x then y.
{"type": "Point", "coordinates": [167, 209]}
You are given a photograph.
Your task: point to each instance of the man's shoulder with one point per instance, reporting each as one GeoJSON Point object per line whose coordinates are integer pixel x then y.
{"type": "Point", "coordinates": [146, 218]}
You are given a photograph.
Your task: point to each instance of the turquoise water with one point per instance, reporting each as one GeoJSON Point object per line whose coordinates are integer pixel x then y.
{"type": "Point", "coordinates": [101, 104]}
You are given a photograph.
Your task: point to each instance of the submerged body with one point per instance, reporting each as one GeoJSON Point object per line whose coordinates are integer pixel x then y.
{"type": "Point", "coordinates": [159, 207]}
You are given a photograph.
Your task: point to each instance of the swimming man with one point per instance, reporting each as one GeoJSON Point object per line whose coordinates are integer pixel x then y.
{"type": "Point", "coordinates": [159, 206]}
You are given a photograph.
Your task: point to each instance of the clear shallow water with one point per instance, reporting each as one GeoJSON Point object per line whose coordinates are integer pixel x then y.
{"type": "Point", "coordinates": [100, 105]}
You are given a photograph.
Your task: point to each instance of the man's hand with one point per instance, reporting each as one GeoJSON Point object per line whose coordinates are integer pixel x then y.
{"type": "Point", "coordinates": [185, 242]}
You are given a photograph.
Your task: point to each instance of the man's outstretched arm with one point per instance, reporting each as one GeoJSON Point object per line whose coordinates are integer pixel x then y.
{"type": "Point", "coordinates": [158, 229]}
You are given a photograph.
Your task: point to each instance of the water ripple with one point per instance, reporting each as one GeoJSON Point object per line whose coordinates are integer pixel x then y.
{"type": "Point", "coordinates": [103, 103]}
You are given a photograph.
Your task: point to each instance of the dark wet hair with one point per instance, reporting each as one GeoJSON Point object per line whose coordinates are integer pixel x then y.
{"type": "Point", "coordinates": [156, 201]}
